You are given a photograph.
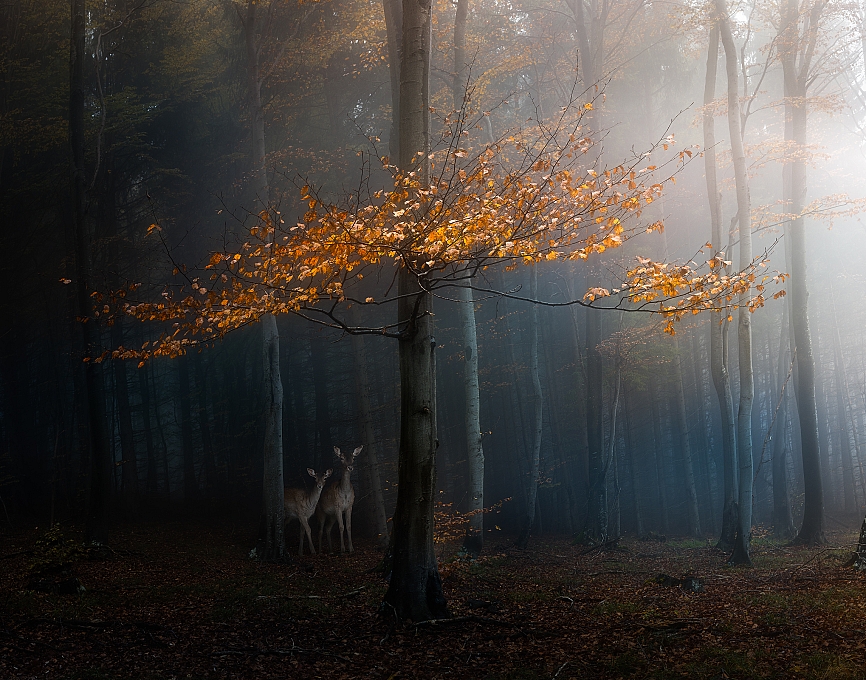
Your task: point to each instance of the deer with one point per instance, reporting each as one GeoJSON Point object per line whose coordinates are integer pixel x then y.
{"type": "Point", "coordinates": [301, 504]}
{"type": "Point", "coordinates": [337, 501]}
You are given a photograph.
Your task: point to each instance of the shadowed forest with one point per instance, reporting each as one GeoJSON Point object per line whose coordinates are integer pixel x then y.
{"type": "Point", "coordinates": [432, 339]}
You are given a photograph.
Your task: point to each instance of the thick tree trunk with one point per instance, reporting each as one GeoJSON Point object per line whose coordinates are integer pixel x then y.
{"type": "Point", "coordinates": [537, 404]}
{"type": "Point", "coordinates": [744, 322]}
{"type": "Point", "coordinates": [415, 589]}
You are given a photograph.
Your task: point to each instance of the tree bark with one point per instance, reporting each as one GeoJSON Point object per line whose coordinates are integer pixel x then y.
{"type": "Point", "coordinates": [96, 527]}
{"type": "Point", "coordinates": [273, 546]}
{"type": "Point", "coordinates": [850, 500]}
{"type": "Point", "coordinates": [415, 588]}
{"type": "Point", "coordinates": [719, 327]}
{"type": "Point", "coordinates": [796, 72]}
{"type": "Point", "coordinates": [783, 523]}
{"type": "Point", "coordinates": [190, 484]}
{"type": "Point", "coordinates": [685, 445]}
{"type": "Point", "coordinates": [741, 554]}
{"type": "Point", "coordinates": [370, 463]}
{"type": "Point", "coordinates": [538, 405]}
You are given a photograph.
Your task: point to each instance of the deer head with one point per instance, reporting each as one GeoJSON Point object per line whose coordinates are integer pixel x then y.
{"type": "Point", "coordinates": [320, 478]}
{"type": "Point", "coordinates": [348, 461]}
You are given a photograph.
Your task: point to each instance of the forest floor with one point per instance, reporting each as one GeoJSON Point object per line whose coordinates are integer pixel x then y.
{"type": "Point", "coordinates": [184, 600]}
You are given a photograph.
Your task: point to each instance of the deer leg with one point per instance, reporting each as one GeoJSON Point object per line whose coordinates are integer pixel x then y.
{"type": "Point", "coordinates": [321, 529]}
{"type": "Point", "coordinates": [301, 532]}
{"type": "Point", "coordinates": [349, 528]}
{"type": "Point", "coordinates": [340, 525]}
{"type": "Point", "coordinates": [330, 532]}
{"type": "Point", "coordinates": [306, 528]}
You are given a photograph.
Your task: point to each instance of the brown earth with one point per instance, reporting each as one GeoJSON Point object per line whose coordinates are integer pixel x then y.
{"type": "Point", "coordinates": [184, 600]}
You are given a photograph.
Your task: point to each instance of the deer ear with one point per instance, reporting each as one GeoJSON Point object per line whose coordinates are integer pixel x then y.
{"type": "Point", "coordinates": [312, 472]}
{"type": "Point", "coordinates": [337, 451]}
{"type": "Point", "coordinates": [357, 451]}
{"type": "Point", "coordinates": [328, 473]}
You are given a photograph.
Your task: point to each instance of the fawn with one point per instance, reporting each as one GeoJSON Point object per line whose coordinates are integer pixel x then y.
{"type": "Point", "coordinates": [337, 501]}
{"type": "Point", "coordinates": [300, 504]}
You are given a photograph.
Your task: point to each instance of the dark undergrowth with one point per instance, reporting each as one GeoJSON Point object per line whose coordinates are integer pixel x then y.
{"type": "Point", "coordinates": [184, 600]}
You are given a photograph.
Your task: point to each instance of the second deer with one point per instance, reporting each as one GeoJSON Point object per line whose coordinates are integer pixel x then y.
{"type": "Point", "coordinates": [336, 502]}
{"type": "Point", "coordinates": [300, 504]}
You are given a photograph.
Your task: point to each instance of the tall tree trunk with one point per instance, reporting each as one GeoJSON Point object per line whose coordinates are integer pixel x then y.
{"type": "Point", "coordinates": [685, 445]}
{"type": "Point", "coordinates": [393, 10]}
{"type": "Point", "coordinates": [659, 458]}
{"type": "Point", "coordinates": [636, 487]}
{"type": "Point", "coordinates": [744, 322]}
{"type": "Point", "coordinates": [783, 523]}
{"type": "Point", "coordinates": [370, 463]}
{"type": "Point", "coordinates": [597, 507]}
{"type": "Point", "coordinates": [150, 483]}
{"type": "Point", "coordinates": [204, 426]}
{"type": "Point", "coordinates": [323, 450]}
{"type": "Point", "coordinates": [538, 404]}
{"type": "Point", "coordinates": [96, 529]}
{"type": "Point", "coordinates": [273, 546]}
{"type": "Point", "coordinates": [415, 588]}
{"type": "Point", "coordinates": [718, 327]}
{"type": "Point", "coordinates": [850, 506]}
{"type": "Point", "coordinates": [796, 71]}
{"type": "Point", "coordinates": [190, 484]}
{"type": "Point", "coordinates": [474, 540]}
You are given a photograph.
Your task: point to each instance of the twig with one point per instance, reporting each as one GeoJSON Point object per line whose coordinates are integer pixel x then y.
{"type": "Point", "coordinates": [462, 619]}
{"type": "Point", "coordinates": [559, 670]}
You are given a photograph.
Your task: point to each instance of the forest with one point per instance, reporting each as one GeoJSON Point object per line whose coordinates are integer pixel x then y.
{"type": "Point", "coordinates": [549, 309]}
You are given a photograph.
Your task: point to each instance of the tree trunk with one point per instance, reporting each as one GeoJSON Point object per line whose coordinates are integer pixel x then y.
{"type": "Point", "coordinates": [415, 589]}
{"type": "Point", "coordinates": [850, 506]}
{"type": "Point", "coordinates": [597, 508]}
{"type": "Point", "coordinates": [718, 327]}
{"type": "Point", "coordinates": [96, 529]}
{"type": "Point", "coordinates": [150, 483]}
{"type": "Point", "coordinates": [190, 485]}
{"type": "Point", "coordinates": [744, 322]}
{"type": "Point", "coordinates": [207, 454]}
{"type": "Point", "coordinates": [272, 490]}
{"type": "Point", "coordinates": [273, 547]}
{"type": "Point", "coordinates": [783, 524]}
{"type": "Point", "coordinates": [795, 80]}
{"type": "Point", "coordinates": [538, 404]}
{"type": "Point", "coordinates": [685, 445]}
{"type": "Point", "coordinates": [370, 463]}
